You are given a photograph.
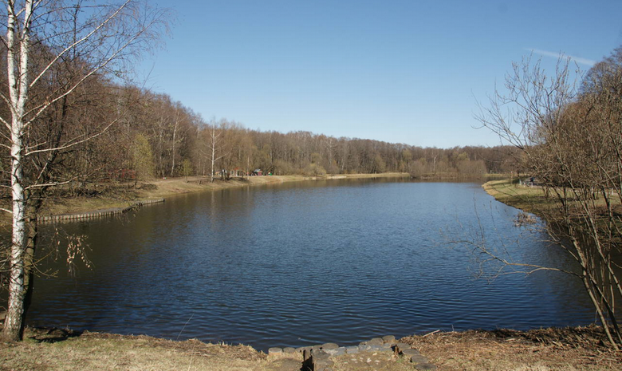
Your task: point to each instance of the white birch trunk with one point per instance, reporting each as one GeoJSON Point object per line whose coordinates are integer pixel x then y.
{"type": "Point", "coordinates": [174, 139]}
{"type": "Point", "coordinates": [18, 44]}
{"type": "Point", "coordinates": [213, 145]}
{"type": "Point", "coordinates": [19, 20]}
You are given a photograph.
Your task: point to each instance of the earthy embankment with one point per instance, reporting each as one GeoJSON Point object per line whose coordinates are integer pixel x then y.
{"type": "Point", "coordinates": [107, 199]}
{"type": "Point", "coordinates": [536, 350]}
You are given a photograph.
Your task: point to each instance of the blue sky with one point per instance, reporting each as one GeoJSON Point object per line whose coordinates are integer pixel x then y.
{"type": "Point", "coordinates": [398, 71]}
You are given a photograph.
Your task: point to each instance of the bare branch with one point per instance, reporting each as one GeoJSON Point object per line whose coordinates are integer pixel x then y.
{"type": "Point", "coordinates": [72, 143]}
{"type": "Point", "coordinates": [80, 41]}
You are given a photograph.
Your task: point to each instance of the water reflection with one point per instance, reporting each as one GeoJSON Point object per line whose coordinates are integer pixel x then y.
{"type": "Point", "coordinates": [306, 263]}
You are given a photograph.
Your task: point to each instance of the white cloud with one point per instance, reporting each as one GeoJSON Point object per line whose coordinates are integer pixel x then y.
{"type": "Point", "coordinates": [579, 60]}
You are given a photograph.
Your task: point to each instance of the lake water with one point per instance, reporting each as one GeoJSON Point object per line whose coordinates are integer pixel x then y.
{"type": "Point", "coordinates": [307, 263]}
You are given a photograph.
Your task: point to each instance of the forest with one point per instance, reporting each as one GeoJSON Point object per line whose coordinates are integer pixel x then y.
{"type": "Point", "coordinates": [167, 139]}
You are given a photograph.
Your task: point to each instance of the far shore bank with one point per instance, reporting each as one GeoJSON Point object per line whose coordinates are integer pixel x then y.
{"type": "Point", "coordinates": [107, 199]}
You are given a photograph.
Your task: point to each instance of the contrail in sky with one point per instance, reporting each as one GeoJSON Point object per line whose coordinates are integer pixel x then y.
{"type": "Point", "coordinates": [585, 61]}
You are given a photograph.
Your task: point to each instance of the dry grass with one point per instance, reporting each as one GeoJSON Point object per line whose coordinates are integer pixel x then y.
{"type": "Point", "coordinates": [573, 349]}
{"type": "Point", "coordinates": [94, 351]}
{"type": "Point", "coordinates": [580, 348]}
{"type": "Point", "coordinates": [519, 196]}
{"type": "Point", "coordinates": [531, 199]}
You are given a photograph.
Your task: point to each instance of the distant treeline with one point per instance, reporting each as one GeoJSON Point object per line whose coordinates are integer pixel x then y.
{"type": "Point", "coordinates": [135, 133]}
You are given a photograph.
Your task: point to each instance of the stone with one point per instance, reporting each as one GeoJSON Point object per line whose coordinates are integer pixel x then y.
{"type": "Point", "coordinates": [336, 352]}
{"type": "Point", "coordinates": [418, 359]}
{"type": "Point", "coordinates": [306, 351]}
{"type": "Point", "coordinates": [411, 352]}
{"type": "Point", "coordinates": [375, 347]}
{"type": "Point", "coordinates": [402, 346]}
{"type": "Point", "coordinates": [389, 339]}
{"type": "Point", "coordinates": [425, 366]}
{"type": "Point", "coordinates": [352, 350]}
{"type": "Point", "coordinates": [320, 360]}
{"type": "Point", "coordinates": [323, 365]}
{"type": "Point", "coordinates": [286, 364]}
{"type": "Point", "coordinates": [375, 341]}
{"type": "Point", "coordinates": [289, 350]}
{"type": "Point", "coordinates": [329, 346]}
{"type": "Point", "coordinates": [319, 354]}
{"type": "Point", "coordinates": [275, 351]}
{"type": "Point", "coordinates": [399, 347]}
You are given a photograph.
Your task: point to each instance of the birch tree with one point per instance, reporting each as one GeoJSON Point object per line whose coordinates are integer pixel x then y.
{"type": "Point", "coordinates": [98, 39]}
{"type": "Point", "coordinates": [215, 145]}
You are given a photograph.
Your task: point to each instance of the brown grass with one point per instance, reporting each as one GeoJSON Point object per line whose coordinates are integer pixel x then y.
{"type": "Point", "coordinates": [519, 196]}
{"type": "Point", "coordinates": [94, 351]}
{"type": "Point", "coordinates": [532, 199]}
{"type": "Point", "coordinates": [580, 348]}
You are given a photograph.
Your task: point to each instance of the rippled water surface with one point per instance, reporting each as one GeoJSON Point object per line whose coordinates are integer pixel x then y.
{"type": "Point", "coordinates": [307, 263]}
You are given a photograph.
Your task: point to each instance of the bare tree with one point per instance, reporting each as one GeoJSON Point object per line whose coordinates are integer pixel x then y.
{"type": "Point", "coordinates": [570, 143]}
{"type": "Point", "coordinates": [98, 38]}
{"type": "Point", "coordinates": [215, 146]}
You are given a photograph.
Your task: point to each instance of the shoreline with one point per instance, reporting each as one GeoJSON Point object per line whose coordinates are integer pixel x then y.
{"type": "Point", "coordinates": [518, 196]}
{"type": "Point", "coordinates": [571, 348]}
{"type": "Point", "coordinates": [125, 197]}
{"type": "Point", "coordinates": [158, 190]}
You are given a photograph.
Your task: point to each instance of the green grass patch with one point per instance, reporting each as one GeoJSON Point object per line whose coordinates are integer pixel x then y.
{"type": "Point", "coordinates": [526, 198]}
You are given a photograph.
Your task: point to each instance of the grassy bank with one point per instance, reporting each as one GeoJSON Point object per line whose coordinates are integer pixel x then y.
{"type": "Point", "coordinates": [529, 199]}
{"type": "Point", "coordinates": [541, 350]}
{"type": "Point", "coordinates": [534, 199]}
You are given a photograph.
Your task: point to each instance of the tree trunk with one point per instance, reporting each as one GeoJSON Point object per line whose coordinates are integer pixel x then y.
{"type": "Point", "coordinates": [29, 256]}
{"type": "Point", "coordinates": [174, 139]}
{"type": "Point", "coordinates": [17, 291]}
{"type": "Point", "coordinates": [17, 51]}
{"type": "Point", "coordinates": [213, 160]}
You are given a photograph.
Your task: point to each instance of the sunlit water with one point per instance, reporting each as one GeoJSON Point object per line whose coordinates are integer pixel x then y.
{"type": "Point", "coordinates": [308, 263]}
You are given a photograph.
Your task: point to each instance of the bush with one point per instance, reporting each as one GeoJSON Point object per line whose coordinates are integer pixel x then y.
{"type": "Point", "coordinates": [314, 170]}
{"type": "Point", "coordinates": [283, 168]}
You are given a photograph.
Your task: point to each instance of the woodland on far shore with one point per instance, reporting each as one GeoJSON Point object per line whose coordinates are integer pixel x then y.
{"type": "Point", "coordinates": [154, 136]}
{"type": "Point", "coordinates": [107, 130]}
